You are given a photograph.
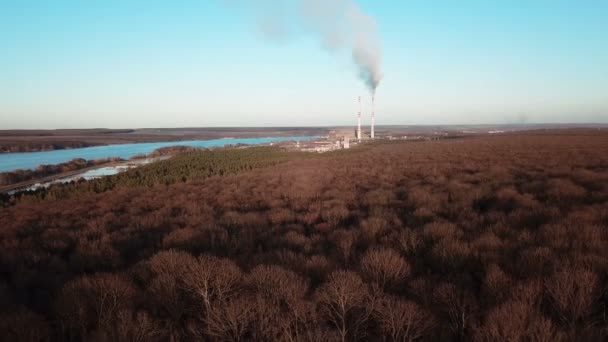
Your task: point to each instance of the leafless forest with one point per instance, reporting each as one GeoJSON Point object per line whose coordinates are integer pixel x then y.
{"type": "Point", "coordinates": [495, 238]}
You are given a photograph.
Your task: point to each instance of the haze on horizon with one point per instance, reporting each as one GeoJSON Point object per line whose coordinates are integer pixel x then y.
{"type": "Point", "coordinates": [115, 64]}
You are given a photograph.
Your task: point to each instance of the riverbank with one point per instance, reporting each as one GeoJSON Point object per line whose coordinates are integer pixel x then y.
{"type": "Point", "coordinates": [88, 173]}
{"type": "Point", "coordinates": [19, 141]}
{"type": "Point", "coordinates": [31, 160]}
{"type": "Point", "coordinates": [120, 165]}
{"type": "Point", "coordinates": [183, 167]}
{"type": "Point", "coordinates": [21, 186]}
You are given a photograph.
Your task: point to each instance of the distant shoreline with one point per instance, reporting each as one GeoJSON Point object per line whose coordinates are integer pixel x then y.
{"type": "Point", "coordinates": [23, 141]}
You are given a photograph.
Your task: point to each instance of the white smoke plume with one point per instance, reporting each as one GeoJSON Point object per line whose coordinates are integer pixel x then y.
{"type": "Point", "coordinates": [339, 24]}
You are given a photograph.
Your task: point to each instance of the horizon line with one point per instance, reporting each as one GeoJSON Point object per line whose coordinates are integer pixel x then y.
{"type": "Point", "coordinates": [573, 124]}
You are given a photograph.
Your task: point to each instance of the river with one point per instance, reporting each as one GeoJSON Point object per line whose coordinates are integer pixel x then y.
{"type": "Point", "coordinates": [31, 160]}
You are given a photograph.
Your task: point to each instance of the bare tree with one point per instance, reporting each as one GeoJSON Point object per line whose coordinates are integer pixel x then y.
{"type": "Point", "coordinates": [92, 303]}
{"type": "Point", "coordinates": [529, 292]}
{"type": "Point", "coordinates": [385, 267]}
{"type": "Point", "coordinates": [542, 329]}
{"type": "Point", "coordinates": [139, 327]}
{"type": "Point", "coordinates": [212, 280]}
{"type": "Point", "coordinates": [573, 292]}
{"type": "Point", "coordinates": [408, 241]}
{"type": "Point", "coordinates": [508, 322]}
{"type": "Point", "coordinates": [345, 302]}
{"type": "Point", "coordinates": [280, 295]}
{"type": "Point", "coordinates": [232, 320]}
{"type": "Point", "coordinates": [344, 240]}
{"type": "Point", "coordinates": [276, 284]}
{"type": "Point", "coordinates": [170, 299]}
{"type": "Point", "coordinates": [459, 306]}
{"type": "Point", "coordinates": [516, 321]}
{"type": "Point", "coordinates": [496, 284]}
{"type": "Point", "coordinates": [402, 320]}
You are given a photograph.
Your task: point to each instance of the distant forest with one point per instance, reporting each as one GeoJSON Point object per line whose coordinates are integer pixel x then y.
{"type": "Point", "coordinates": [12, 141]}
{"type": "Point", "coordinates": [493, 238]}
{"type": "Point", "coordinates": [14, 147]}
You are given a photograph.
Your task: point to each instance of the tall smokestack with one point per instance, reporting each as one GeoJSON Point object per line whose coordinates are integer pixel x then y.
{"type": "Point", "coordinates": [359, 121]}
{"type": "Point", "coordinates": [372, 135]}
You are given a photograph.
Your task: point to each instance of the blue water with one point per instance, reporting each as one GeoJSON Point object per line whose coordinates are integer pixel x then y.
{"type": "Point", "coordinates": [31, 160]}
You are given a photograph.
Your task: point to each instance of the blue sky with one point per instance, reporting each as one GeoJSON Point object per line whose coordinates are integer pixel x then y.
{"type": "Point", "coordinates": [148, 63]}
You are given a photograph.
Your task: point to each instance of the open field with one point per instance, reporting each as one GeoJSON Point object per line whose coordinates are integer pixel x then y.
{"type": "Point", "coordinates": [486, 238]}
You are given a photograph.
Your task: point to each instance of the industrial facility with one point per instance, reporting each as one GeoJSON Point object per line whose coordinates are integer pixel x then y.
{"type": "Point", "coordinates": [343, 138]}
